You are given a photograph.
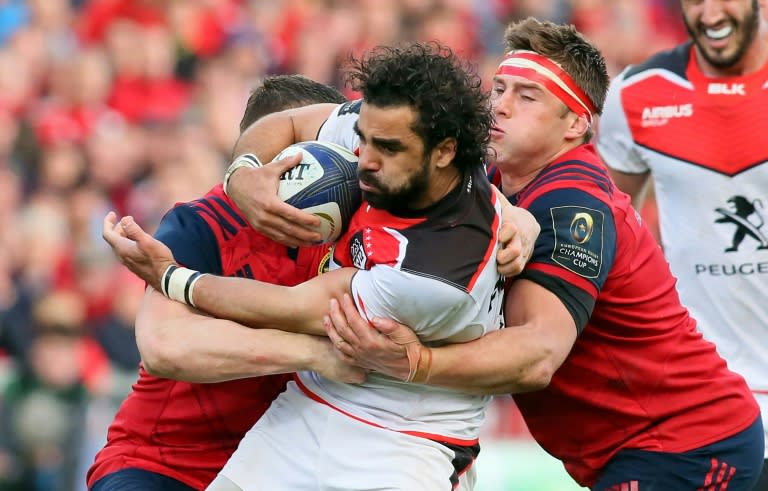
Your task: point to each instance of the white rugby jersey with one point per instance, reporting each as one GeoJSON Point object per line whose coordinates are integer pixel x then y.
{"type": "Point", "coordinates": [706, 142]}
{"type": "Point", "coordinates": [435, 271]}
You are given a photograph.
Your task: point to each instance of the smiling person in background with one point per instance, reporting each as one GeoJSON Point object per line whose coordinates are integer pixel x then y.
{"type": "Point", "coordinates": [692, 120]}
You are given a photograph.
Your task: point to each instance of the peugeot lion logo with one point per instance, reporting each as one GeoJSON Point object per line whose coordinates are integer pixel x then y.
{"type": "Point", "coordinates": [740, 215]}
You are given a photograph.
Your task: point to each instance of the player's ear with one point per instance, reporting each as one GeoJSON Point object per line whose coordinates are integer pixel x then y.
{"type": "Point", "coordinates": [578, 128]}
{"type": "Point", "coordinates": [444, 153]}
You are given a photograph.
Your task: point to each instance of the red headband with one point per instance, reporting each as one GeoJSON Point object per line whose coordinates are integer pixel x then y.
{"type": "Point", "coordinates": [541, 69]}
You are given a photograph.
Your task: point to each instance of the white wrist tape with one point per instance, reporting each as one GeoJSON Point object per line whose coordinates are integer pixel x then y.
{"type": "Point", "coordinates": [178, 283]}
{"type": "Point", "coordinates": [244, 160]}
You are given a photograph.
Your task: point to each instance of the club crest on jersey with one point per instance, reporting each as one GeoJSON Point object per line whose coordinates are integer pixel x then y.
{"type": "Point", "coordinates": [747, 218]}
{"type": "Point", "coordinates": [578, 239]}
{"type": "Point", "coordinates": [357, 252]}
{"type": "Point", "coordinates": [325, 262]}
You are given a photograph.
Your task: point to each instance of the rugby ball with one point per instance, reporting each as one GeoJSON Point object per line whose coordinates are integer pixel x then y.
{"type": "Point", "coordinates": [324, 183]}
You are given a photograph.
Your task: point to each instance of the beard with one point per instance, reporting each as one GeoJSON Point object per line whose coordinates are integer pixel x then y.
{"type": "Point", "coordinates": [396, 200]}
{"type": "Point", "coordinates": [746, 30]}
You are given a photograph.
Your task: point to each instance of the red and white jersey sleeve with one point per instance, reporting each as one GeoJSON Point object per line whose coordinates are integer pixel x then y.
{"type": "Point", "coordinates": [615, 142]}
{"type": "Point", "coordinates": [339, 128]}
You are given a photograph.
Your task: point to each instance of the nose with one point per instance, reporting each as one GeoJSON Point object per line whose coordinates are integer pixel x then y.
{"type": "Point", "coordinates": [501, 104]}
{"type": "Point", "coordinates": [712, 12]}
{"type": "Point", "coordinates": [367, 158]}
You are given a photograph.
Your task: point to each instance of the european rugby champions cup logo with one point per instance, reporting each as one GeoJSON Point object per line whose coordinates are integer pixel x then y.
{"type": "Point", "coordinates": [581, 227]}
{"type": "Point", "coordinates": [578, 239]}
{"type": "Point", "coordinates": [745, 215]}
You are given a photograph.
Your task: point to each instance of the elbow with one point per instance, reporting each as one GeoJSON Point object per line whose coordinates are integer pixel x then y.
{"type": "Point", "coordinates": [158, 355]}
{"type": "Point", "coordinates": [536, 378]}
{"type": "Point", "coordinates": [157, 366]}
{"type": "Point", "coordinates": [538, 375]}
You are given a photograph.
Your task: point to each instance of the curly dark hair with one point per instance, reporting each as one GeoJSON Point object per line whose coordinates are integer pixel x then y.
{"type": "Point", "coordinates": [444, 91]}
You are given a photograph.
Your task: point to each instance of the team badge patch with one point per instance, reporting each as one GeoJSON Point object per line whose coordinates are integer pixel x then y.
{"type": "Point", "coordinates": [357, 252]}
{"type": "Point", "coordinates": [578, 239]}
{"type": "Point", "coordinates": [325, 262]}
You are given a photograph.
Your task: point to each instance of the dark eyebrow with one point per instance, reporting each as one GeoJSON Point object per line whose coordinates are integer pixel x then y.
{"type": "Point", "coordinates": [391, 144]}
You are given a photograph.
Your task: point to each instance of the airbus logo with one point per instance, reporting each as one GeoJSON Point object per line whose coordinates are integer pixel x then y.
{"type": "Point", "coordinates": [660, 115]}
{"type": "Point", "coordinates": [716, 88]}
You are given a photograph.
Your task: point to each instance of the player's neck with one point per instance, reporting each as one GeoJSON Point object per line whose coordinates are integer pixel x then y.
{"type": "Point", "coordinates": [754, 58]}
{"type": "Point", "coordinates": [442, 182]}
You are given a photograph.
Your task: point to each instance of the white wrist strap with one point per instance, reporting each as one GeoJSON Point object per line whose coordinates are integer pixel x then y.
{"type": "Point", "coordinates": [244, 160]}
{"type": "Point", "coordinates": [178, 283]}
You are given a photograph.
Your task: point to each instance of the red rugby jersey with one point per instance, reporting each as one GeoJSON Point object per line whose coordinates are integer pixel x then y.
{"type": "Point", "coordinates": [639, 375]}
{"type": "Point", "coordinates": [188, 431]}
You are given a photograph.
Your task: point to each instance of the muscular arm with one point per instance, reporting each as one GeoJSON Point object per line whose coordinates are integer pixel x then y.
{"type": "Point", "coordinates": [522, 357]}
{"type": "Point", "coordinates": [179, 343]}
{"type": "Point", "coordinates": [635, 185]}
{"type": "Point", "coordinates": [296, 309]}
{"type": "Point", "coordinates": [254, 303]}
{"type": "Point", "coordinates": [267, 136]}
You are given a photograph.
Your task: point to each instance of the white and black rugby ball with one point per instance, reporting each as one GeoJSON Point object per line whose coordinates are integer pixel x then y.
{"type": "Point", "coordinates": [324, 183]}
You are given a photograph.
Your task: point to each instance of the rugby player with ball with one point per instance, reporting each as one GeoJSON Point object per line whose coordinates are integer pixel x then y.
{"type": "Point", "coordinates": [423, 131]}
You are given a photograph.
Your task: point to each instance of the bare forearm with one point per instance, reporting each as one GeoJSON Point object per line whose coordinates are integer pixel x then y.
{"type": "Point", "coordinates": [512, 360]}
{"type": "Point", "coordinates": [252, 303]}
{"type": "Point", "coordinates": [262, 305]}
{"type": "Point", "coordinates": [272, 133]}
{"type": "Point", "coordinates": [178, 342]}
{"type": "Point", "coordinates": [266, 142]}
{"type": "Point", "coordinates": [216, 350]}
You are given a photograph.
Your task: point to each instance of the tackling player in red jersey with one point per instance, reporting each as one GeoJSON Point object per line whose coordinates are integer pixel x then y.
{"type": "Point", "coordinates": [691, 119]}
{"type": "Point", "coordinates": [606, 365]}
{"type": "Point", "coordinates": [174, 435]}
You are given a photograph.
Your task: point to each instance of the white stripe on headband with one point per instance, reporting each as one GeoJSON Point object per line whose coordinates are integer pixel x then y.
{"type": "Point", "coordinates": [513, 61]}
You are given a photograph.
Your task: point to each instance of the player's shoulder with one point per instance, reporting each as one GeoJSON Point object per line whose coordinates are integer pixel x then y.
{"type": "Point", "coordinates": [339, 127]}
{"type": "Point", "coordinates": [673, 62]}
{"type": "Point", "coordinates": [196, 231]}
{"type": "Point", "coordinates": [351, 107]}
{"type": "Point", "coordinates": [217, 211]}
{"type": "Point", "coordinates": [580, 172]}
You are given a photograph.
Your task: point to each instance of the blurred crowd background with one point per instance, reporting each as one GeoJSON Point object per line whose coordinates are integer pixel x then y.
{"type": "Point", "coordinates": [133, 105]}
